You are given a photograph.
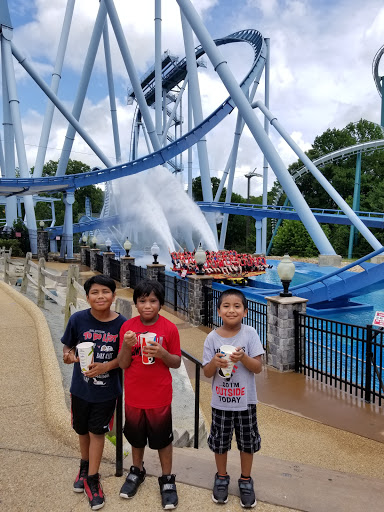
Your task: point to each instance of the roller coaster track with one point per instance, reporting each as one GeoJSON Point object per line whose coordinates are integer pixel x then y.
{"type": "Point", "coordinates": [375, 69]}
{"type": "Point", "coordinates": [29, 186]}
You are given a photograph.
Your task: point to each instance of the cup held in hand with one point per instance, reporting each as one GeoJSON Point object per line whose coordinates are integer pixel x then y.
{"type": "Point", "coordinates": [85, 351]}
{"type": "Point", "coordinates": [227, 350]}
{"type": "Point", "coordinates": [145, 339]}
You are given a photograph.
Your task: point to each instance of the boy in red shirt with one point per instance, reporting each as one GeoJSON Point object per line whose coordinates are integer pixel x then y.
{"type": "Point", "coordinates": [148, 389]}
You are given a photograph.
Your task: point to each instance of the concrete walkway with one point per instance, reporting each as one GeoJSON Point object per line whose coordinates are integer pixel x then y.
{"type": "Point", "coordinates": [39, 450]}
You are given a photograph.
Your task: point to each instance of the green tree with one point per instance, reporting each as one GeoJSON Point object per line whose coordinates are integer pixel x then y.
{"type": "Point", "coordinates": [292, 238]}
{"type": "Point", "coordinates": [96, 195]}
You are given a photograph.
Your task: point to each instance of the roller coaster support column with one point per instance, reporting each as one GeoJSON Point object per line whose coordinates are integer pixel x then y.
{"type": "Point", "coordinates": [358, 223]}
{"type": "Point", "coordinates": [55, 81]}
{"type": "Point", "coordinates": [8, 169]}
{"type": "Point", "coordinates": [131, 70]}
{"type": "Point", "coordinates": [6, 54]}
{"type": "Point", "coordinates": [158, 77]}
{"type": "Point", "coordinates": [382, 101]}
{"type": "Point", "coordinates": [256, 129]}
{"type": "Point", "coordinates": [67, 239]}
{"type": "Point", "coordinates": [356, 203]}
{"type": "Point", "coordinates": [194, 90]}
{"type": "Point", "coordinates": [265, 163]}
{"type": "Point", "coordinates": [82, 88]}
{"type": "Point", "coordinates": [258, 226]}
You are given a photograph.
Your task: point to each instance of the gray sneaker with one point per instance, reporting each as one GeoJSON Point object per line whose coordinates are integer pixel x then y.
{"type": "Point", "coordinates": [247, 493]}
{"type": "Point", "coordinates": [220, 489]}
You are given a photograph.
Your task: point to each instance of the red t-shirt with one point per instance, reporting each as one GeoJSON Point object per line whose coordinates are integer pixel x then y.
{"type": "Point", "coordinates": [147, 386]}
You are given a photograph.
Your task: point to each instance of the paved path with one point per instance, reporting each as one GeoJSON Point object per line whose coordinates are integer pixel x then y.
{"type": "Point", "coordinates": [39, 451]}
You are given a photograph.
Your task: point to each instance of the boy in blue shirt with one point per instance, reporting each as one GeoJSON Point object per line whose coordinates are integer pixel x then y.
{"type": "Point", "coordinates": [234, 398]}
{"type": "Point", "coordinates": [94, 393]}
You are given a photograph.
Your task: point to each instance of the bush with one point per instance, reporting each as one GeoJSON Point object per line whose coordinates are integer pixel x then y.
{"type": "Point", "coordinates": [14, 244]}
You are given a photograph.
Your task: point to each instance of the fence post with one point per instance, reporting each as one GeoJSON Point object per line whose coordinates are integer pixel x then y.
{"type": "Point", "coordinates": [83, 254]}
{"type": "Point", "coordinates": [297, 341]}
{"type": "Point", "coordinates": [92, 258]}
{"type": "Point", "coordinates": [196, 298]}
{"type": "Point", "coordinates": [24, 282]}
{"type": "Point", "coordinates": [40, 284]}
{"type": "Point", "coordinates": [6, 267]}
{"type": "Point", "coordinates": [107, 263]}
{"type": "Point", "coordinates": [153, 271]}
{"type": "Point", "coordinates": [125, 274]}
{"type": "Point", "coordinates": [368, 366]}
{"type": "Point", "coordinates": [175, 293]}
{"type": "Point", "coordinates": [71, 298]}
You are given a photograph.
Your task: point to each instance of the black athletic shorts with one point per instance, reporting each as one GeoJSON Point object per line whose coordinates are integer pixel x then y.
{"type": "Point", "coordinates": [148, 425]}
{"type": "Point", "coordinates": [96, 418]}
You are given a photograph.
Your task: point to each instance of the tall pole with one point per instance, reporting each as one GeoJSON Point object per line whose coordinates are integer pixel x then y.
{"type": "Point", "coordinates": [265, 163]}
{"type": "Point", "coordinates": [158, 77]}
{"type": "Point", "coordinates": [382, 101]}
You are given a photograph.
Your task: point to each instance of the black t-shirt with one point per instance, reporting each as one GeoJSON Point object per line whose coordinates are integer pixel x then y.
{"type": "Point", "coordinates": [83, 326]}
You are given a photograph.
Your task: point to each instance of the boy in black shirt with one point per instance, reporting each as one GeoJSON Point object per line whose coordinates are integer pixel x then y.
{"type": "Point", "coordinates": [94, 393]}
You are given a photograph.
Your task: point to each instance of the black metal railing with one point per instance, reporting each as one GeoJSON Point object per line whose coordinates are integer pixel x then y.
{"type": "Point", "coordinates": [345, 356]}
{"type": "Point", "coordinates": [256, 317]}
{"type": "Point", "coordinates": [176, 292]}
{"type": "Point", "coordinates": [114, 269]}
{"type": "Point", "coordinates": [88, 258]}
{"type": "Point", "coordinates": [99, 263]}
{"type": "Point", "coordinates": [198, 364]}
{"type": "Point", "coordinates": [137, 274]}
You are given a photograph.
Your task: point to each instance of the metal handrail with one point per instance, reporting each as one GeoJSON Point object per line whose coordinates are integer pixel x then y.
{"type": "Point", "coordinates": [198, 364]}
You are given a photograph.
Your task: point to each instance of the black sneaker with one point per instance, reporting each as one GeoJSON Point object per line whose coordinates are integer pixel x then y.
{"type": "Point", "coordinates": [78, 484]}
{"type": "Point", "coordinates": [168, 491]}
{"type": "Point", "coordinates": [134, 479]}
{"type": "Point", "coordinates": [220, 489]}
{"type": "Point", "coordinates": [247, 494]}
{"type": "Point", "coordinates": [93, 490]}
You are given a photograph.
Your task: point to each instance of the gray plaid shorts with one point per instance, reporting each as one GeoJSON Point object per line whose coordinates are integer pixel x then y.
{"type": "Point", "coordinates": [246, 430]}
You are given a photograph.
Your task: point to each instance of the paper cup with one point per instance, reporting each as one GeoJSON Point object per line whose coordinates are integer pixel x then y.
{"type": "Point", "coordinates": [145, 339]}
{"type": "Point", "coordinates": [85, 351]}
{"type": "Point", "coordinates": [227, 350]}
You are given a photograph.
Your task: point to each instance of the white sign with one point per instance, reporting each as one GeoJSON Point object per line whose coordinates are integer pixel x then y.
{"type": "Point", "coordinates": [379, 319]}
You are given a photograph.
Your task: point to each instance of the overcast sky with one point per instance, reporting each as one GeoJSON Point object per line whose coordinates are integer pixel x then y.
{"type": "Point", "coordinates": [321, 69]}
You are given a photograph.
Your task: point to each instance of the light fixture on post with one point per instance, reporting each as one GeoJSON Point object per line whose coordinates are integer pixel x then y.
{"type": "Point", "coordinates": [94, 241]}
{"type": "Point", "coordinates": [286, 271]}
{"type": "Point", "coordinates": [155, 249]}
{"type": "Point", "coordinates": [108, 244]}
{"type": "Point", "coordinates": [200, 258]}
{"type": "Point", "coordinates": [127, 246]}
{"type": "Point", "coordinates": [84, 239]}
{"type": "Point", "coordinates": [42, 224]}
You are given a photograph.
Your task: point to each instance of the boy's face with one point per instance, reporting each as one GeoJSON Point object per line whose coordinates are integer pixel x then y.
{"type": "Point", "coordinates": [232, 310]}
{"type": "Point", "coordinates": [100, 297]}
{"type": "Point", "coordinates": [148, 308]}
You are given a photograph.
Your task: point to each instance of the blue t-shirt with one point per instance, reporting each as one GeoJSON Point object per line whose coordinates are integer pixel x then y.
{"type": "Point", "coordinates": [83, 326]}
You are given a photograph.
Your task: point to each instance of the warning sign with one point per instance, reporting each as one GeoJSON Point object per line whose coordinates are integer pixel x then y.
{"type": "Point", "coordinates": [379, 319]}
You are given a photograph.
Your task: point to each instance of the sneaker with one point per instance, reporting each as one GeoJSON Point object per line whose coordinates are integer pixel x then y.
{"type": "Point", "coordinates": [78, 484]}
{"type": "Point", "coordinates": [220, 489]}
{"type": "Point", "coordinates": [93, 490]}
{"type": "Point", "coordinates": [247, 494]}
{"type": "Point", "coordinates": [134, 479]}
{"type": "Point", "coordinates": [168, 491]}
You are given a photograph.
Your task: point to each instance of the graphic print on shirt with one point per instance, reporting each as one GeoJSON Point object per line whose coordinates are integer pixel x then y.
{"type": "Point", "coordinates": [102, 352]}
{"type": "Point", "coordinates": [230, 391]}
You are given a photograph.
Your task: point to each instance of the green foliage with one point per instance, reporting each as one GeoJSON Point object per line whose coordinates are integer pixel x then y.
{"type": "Point", "coordinates": [43, 210]}
{"type": "Point", "coordinates": [292, 238]}
{"type": "Point", "coordinates": [14, 244]}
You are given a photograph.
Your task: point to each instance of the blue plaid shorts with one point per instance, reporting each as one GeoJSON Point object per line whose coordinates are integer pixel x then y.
{"type": "Point", "coordinates": [246, 430]}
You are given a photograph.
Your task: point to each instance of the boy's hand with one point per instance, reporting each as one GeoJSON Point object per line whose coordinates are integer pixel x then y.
{"type": "Point", "coordinates": [130, 339]}
{"type": "Point", "coordinates": [95, 369]}
{"type": "Point", "coordinates": [69, 357]}
{"type": "Point", "coordinates": [237, 355]}
{"type": "Point", "coordinates": [154, 349]}
{"type": "Point", "coordinates": [219, 361]}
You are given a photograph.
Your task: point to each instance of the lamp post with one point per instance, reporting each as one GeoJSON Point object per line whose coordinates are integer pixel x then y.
{"type": "Point", "coordinates": [249, 176]}
{"type": "Point", "coordinates": [127, 246]}
{"type": "Point", "coordinates": [155, 249]}
{"type": "Point", "coordinates": [84, 239]}
{"type": "Point", "coordinates": [94, 241]}
{"type": "Point", "coordinates": [200, 258]}
{"type": "Point", "coordinates": [108, 244]}
{"type": "Point", "coordinates": [286, 271]}
{"type": "Point", "coordinates": [42, 224]}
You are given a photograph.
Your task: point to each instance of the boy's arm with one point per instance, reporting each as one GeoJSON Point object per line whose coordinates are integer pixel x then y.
{"type": "Point", "coordinates": [216, 362]}
{"type": "Point", "coordinates": [124, 357]}
{"type": "Point", "coordinates": [253, 364]}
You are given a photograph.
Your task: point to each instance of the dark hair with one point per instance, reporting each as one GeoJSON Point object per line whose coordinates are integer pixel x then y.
{"type": "Point", "coordinates": [100, 279]}
{"type": "Point", "coordinates": [232, 291]}
{"type": "Point", "coordinates": [146, 287]}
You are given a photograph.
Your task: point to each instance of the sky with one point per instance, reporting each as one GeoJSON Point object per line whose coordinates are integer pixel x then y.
{"type": "Point", "coordinates": [321, 70]}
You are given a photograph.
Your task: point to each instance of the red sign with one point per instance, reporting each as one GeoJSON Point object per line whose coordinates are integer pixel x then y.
{"type": "Point", "coordinates": [17, 234]}
{"type": "Point", "coordinates": [379, 319]}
